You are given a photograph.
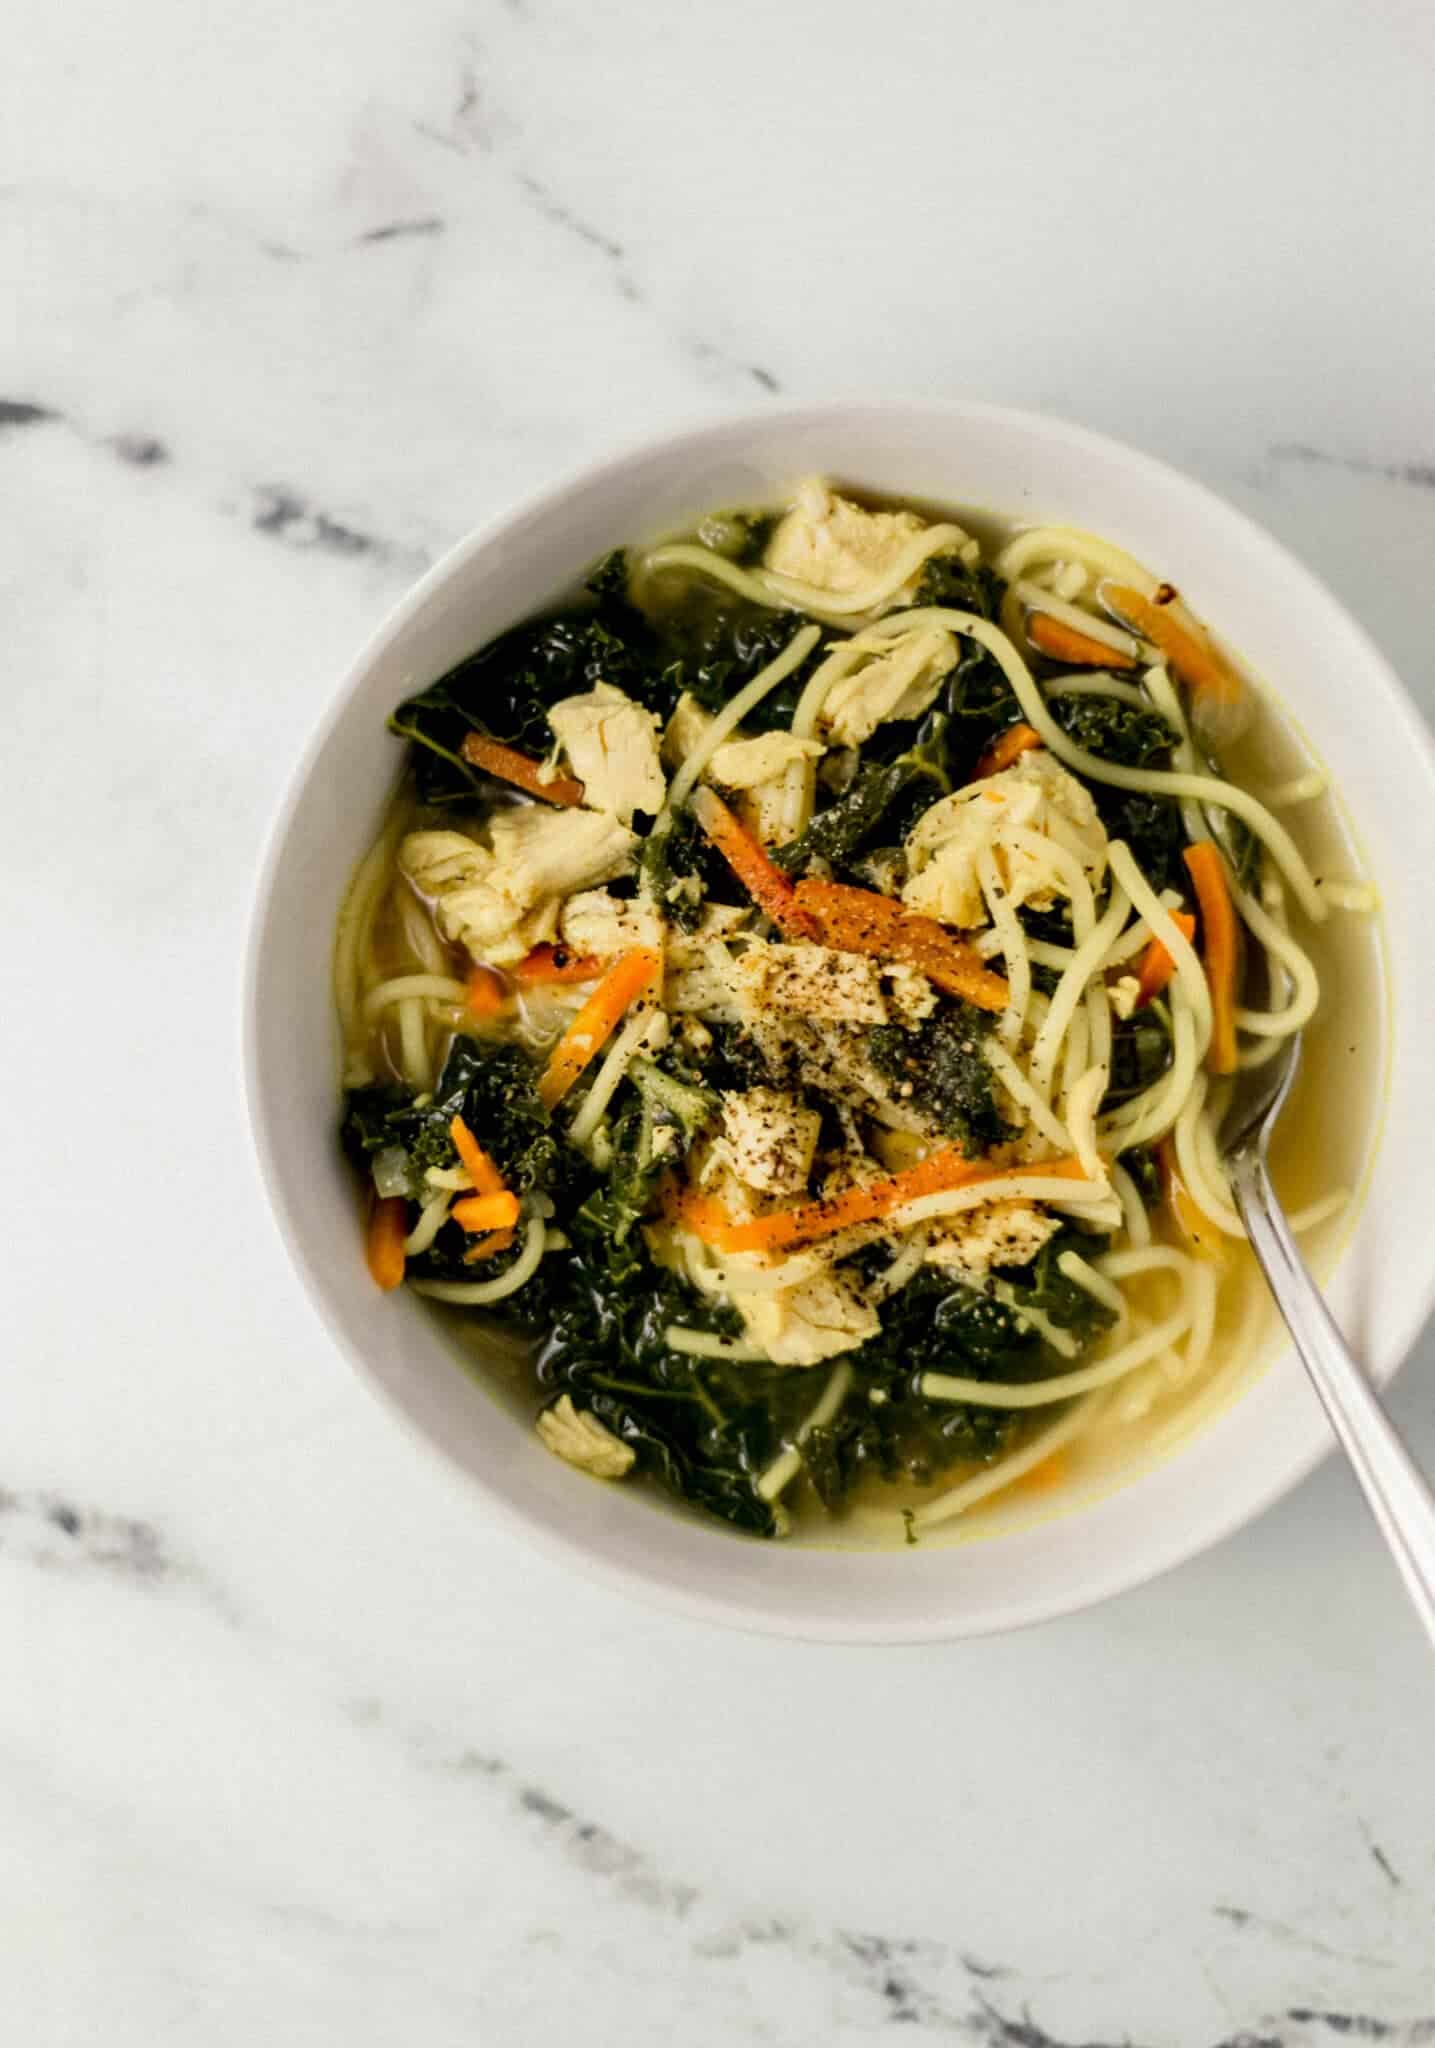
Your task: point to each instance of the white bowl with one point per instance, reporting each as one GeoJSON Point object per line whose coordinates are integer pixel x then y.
{"type": "Point", "coordinates": [1356, 715]}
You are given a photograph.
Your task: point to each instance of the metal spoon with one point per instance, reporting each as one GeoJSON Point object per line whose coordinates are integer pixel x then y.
{"type": "Point", "coordinates": [1399, 1498]}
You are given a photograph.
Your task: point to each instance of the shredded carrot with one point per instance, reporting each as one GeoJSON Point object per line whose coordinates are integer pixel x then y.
{"type": "Point", "coordinates": [788, 1228]}
{"type": "Point", "coordinates": [1185, 646]}
{"type": "Point", "coordinates": [1007, 747]}
{"type": "Point", "coordinates": [488, 1247]}
{"type": "Point", "coordinates": [521, 770]}
{"type": "Point", "coordinates": [486, 1178]}
{"type": "Point", "coordinates": [1157, 966]}
{"type": "Point", "coordinates": [486, 1212]}
{"type": "Point", "coordinates": [548, 966]}
{"type": "Point", "coordinates": [770, 889]}
{"type": "Point", "coordinates": [485, 996]}
{"type": "Point", "coordinates": [384, 1236]}
{"type": "Point", "coordinates": [1220, 949]}
{"type": "Point", "coordinates": [628, 977]}
{"type": "Point", "coordinates": [1189, 1217]}
{"type": "Point", "coordinates": [1060, 642]}
{"type": "Point", "coordinates": [861, 921]}
{"type": "Point", "coordinates": [704, 1215]}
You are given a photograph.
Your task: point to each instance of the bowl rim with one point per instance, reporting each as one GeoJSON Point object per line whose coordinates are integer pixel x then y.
{"type": "Point", "coordinates": [1168, 1546]}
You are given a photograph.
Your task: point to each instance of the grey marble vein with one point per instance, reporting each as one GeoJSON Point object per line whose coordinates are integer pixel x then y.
{"type": "Point", "coordinates": [47, 1529]}
{"type": "Point", "coordinates": [290, 517]}
{"type": "Point", "coordinates": [1420, 474]}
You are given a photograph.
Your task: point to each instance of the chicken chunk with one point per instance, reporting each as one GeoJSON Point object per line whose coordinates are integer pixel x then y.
{"type": "Point", "coordinates": [577, 1437]}
{"type": "Point", "coordinates": [828, 541]}
{"type": "Point", "coordinates": [817, 1319]}
{"type": "Point", "coordinates": [686, 727]}
{"type": "Point", "coordinates": [975, 1242]}
{"type": "Point", "coordinates": [810, 982]}
{"type": "Point", "coordinates": [902, 682]}
{"type": "Point", "coordinates": [500, 901]}
{"type": "Point", "coordinates": [1124, 995]}
{"type": "Point", "coordinates": [1035, 796]}
{"type": "Point", "coordinates": [770, 1140]}
{"type": "Point", "coordinates": [612, 747]}
{"type": "Point", "coordinates": [741, 762]}
{"type": "Point", "coordinates": [597, 923]}
{"type": "Point", "coordinates": [744, 764]}
{"type": "Point", "coordinates": [718, 923]}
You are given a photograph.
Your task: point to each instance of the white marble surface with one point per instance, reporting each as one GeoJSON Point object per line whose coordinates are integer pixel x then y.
{"type": "Point", "coordinates": [293, 1747]}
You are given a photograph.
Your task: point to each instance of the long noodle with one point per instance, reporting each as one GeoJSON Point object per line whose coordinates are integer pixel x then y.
{"type": "Point", "coordinates": [957, 1499]}
{"type": "Point", "coordinates": [1209, 789]}
{"type": "Point", "coordinates": [479, 1293]}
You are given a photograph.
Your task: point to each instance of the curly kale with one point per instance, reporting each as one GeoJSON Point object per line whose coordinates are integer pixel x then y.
{"type": "Point", "coordinates": [504, 690]}
{"type": "Point", "coordinates": [493, 1088]}
{"type": "Point", "coordinates": [935, 1326]}
{"type": "Point", "coordinates": [885, 796]}
{"type": "Point", "coordinates": [1114, 730]}
{"type": "Point", "coordinates": [942, 1071]}
{"type": "Point", "coordinates": [703, 1428]}
{"type": "Point", "coordinates": [717, 643]}
{"type": "Point", "coordinates": [947, 581]}
{"type": "Point", "coordinates": [684, 870]}
{"type": "Point", "coordinates": [661, 1118]}
{"type": "Point", "coordinates": [1140, 1051]}
{"type": "Point", "coordinates": [1135, 738]}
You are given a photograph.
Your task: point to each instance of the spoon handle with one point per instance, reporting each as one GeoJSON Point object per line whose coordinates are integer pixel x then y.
{"type": "Point", "coordinates": [1398, 1495]}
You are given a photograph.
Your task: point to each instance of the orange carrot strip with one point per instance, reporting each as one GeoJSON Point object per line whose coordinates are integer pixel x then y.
{"type": "Point", "coordinates": [549, 966]}
{"type": "Point", "coordinates": [488, 1247]}
{"type": "Point", "coordinates": [1190, 1218]}
{"type": "Point", "coordinates": [630, 974]}
{"type": "Point", "coordinates": [384, 1236]}
{"type": "Point", "coordinates": [861, 921]}
{"type": "Point", "coordinates": [771, 890]}
{"type": "Point", "coordinates": [809, 1221]}
{"type": "Point", "coordinates": [704, 1215]}
{"type": "Point", "coordinates": [486, 1212]}
{"type": "Point", "coordinates": [1060, 642]}
{"type": "Point", "coordinates": [521, 770]}
{"type": "Point", "coordinates": [1157, 966]}
{"type": "Point", "coordinates": [1007, 747]}
{"type": "Point", "coordinates": [485, 997]}
{"type": "Point", "coordinates": [1185, 647]}
{"type": "Point", "coordinates": [485, 1176]}
{"type": "Point", "coordinates": [1220, 949]}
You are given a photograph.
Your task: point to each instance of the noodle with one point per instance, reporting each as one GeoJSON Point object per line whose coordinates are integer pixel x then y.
{"type": "Point", "coordinates": [479, 1293]}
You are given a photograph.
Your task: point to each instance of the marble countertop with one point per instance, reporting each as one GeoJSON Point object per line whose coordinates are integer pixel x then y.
{"type": "Point", "coordinates": [294, 1746]}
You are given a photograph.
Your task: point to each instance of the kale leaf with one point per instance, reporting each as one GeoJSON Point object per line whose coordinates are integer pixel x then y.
{"type": "Point", "coordinates": [941, 1069]}
{"type": "Point", "coordinates": [718, 643]}
{"type": "Point", "coordinates": [504, 690]}
{"type": "Point", "coordinates": [662, 1117]}
{"type": "Point", "coordinates": [683, 870]}
{"type": "Point", "coordinates": [889, 795]}
{"type": "Point", "coordinates": [1136, 738]}
{"type": "Point", "coordinates": [1114, 730]}
{"type": "Point", "coordinates": [493, 1088]}
{"type": "Point", "coordinates": [1140, 1051]}
{"type": "Point", "coordinates": [703, 1428]}
{"type": "Point", "coordinates": [947, 581]}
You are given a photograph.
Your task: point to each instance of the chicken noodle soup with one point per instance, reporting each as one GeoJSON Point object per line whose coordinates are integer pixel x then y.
{"type": "Point", "coordinates": [796, 993]}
